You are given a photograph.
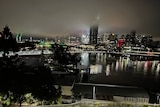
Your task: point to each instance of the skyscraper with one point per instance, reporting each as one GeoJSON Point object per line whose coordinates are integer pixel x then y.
{"type": "Point", "coordinates": [93, 34]}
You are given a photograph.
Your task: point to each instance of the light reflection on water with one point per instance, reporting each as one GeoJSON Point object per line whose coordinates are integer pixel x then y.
{"type": "Point", "coordinates": [103, 63]}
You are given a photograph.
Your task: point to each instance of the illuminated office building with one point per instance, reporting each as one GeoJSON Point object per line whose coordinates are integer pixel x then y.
{"type": "Point", "coordinates": [93, 34]}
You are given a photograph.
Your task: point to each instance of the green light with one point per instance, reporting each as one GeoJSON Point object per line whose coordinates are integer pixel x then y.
{"type": "Point", "coordinates": [21, 34]}
{"type": "Point", "coordinates": [49, 46]}
{"type": "Point", "coordinates": [17, 35]}
{"type": "Point", "coordinates": [42, 43]}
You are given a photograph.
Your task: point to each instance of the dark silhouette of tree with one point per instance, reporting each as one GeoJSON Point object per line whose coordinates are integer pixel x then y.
{"type": "Point", "coordinates": [19, 90]}
{"type": "Point", "coordinates": [9, 68]}
{"type": "Point", "coordinates": [7, 42]}
{"type": "Point", "coordinates": [64, 57]}
{"type": "Point", "coordinates": [12, 75]}
{"type": "Point", "coordinates": [15, 82]}
{"type": "Point", "coordinates": [43, 88]}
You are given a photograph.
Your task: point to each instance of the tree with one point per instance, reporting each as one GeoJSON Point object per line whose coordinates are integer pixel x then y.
{"type": "Point", "coordinates": [7, 42]}
{"type": "Point", "coordinates": [63, 56]}
{"type": "Point", "coordinates": [13, 86]}
{"type": "Point", "coordinates": [16, 84]}
{"type": "Point", "coordinates": [43, 88]}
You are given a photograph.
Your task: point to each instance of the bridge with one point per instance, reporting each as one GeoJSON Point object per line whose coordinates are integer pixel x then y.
{"type": "Point", "coordinates": [48, 52]}
{"type": "Point", "coordinates": [87, 51]}
{"type": "Point", "coordinates": [29, 52]}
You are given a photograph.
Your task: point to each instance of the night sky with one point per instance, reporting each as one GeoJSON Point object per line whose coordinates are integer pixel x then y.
{"type": "Point", "coordinates": [60, 17]}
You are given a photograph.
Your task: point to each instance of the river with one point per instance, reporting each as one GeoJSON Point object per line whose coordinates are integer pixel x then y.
{"type": "Point", "coordinates": [106, 69]}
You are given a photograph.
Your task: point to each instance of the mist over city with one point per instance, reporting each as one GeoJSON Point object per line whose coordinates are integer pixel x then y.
{"type": "Point", "coordinates": [53, 17]}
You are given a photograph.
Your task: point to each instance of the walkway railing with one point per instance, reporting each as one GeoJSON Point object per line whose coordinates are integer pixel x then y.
{"type": "Point", "coordinates": [99, 103]}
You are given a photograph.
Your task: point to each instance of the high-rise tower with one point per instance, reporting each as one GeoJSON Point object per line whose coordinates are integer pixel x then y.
{"type": "Point", "coordinates": [93, 34]}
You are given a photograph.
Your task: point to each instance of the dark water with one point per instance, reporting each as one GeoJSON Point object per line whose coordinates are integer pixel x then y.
{"type": "Point", "coordinates": [106, 69]}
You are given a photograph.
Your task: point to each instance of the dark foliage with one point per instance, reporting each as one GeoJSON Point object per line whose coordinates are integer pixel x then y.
{"type": "Point", "coordinates": [7, 42]}
{"type": "Point", "coordinates": [63, 56]}
{"type": "Point", "coordinates": [41, 83]}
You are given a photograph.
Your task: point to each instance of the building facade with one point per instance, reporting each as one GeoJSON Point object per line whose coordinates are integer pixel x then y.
{"type": "Point", "coordinates": [93, 34]}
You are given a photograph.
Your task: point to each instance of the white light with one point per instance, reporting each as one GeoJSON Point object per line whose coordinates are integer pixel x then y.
{"type": "Point", "coordinates": [83, 36]}
{"type": "Point", "coordinates": [97, 17]}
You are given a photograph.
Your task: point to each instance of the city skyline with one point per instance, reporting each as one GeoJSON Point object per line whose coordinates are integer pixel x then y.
{"type": "Point", "coordinates": [59, 17]}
